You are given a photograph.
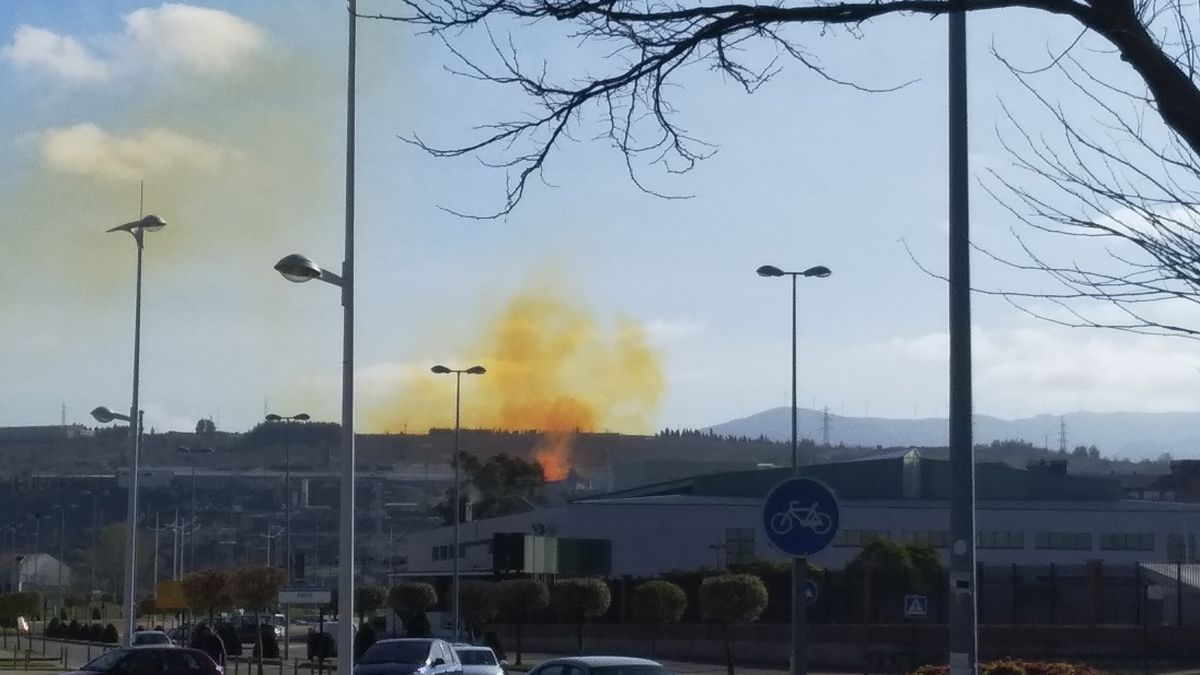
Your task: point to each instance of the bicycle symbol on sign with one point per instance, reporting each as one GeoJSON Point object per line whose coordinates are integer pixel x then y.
{"type": "Point", "coordinates": [810, 518]}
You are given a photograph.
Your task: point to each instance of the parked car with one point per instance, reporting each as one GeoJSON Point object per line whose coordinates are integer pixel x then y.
{"type": "Point", "coordinates": [181, 633]}
{"type": "Point", "coordinates": [600, 665]}
{"type": "Point", "coordinates": [151, 637]}
{"type": "Point", "coordinates": [479, 660]}
{"type": "Point", "coordinates": [152, 660]}
{"type": "Point", "coordinates": [409, 656]}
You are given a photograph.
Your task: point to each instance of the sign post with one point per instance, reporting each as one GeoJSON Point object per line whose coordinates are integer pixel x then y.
{"type": "Point", "coordinates": [800, 516]}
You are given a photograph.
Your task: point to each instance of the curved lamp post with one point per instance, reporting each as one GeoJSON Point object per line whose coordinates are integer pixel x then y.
{"type": "Point", "coordinates": [458, 373]}
{"type": "Point", "coordinates": [799, 565]}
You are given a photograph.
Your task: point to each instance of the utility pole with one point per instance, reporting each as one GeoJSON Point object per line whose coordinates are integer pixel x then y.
{"type": "Point", "coordinates": [1062, 435]}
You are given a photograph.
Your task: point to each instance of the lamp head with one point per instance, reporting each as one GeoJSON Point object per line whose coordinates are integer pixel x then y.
{"type": "Point", "coordinates": [476, 370]}
{"type": "Point", "coordinates": [151, 223]}
{"type": "Point", "coordinates": [301, 417]}
{"type": "Point", "coordinates": [273, 417]}
{"type": "Point", "coordinates": [440, 370]}
{"type": "Point", "coordinates": [769, 271]}
{"type": "Point", "coordinates": [820, 271]}
{"type": "Point", "coordinates": [103, 415]}
{"type": "Point", "coordinates": [297, 268]}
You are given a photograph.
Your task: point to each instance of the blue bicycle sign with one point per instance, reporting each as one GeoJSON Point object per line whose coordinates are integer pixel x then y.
{"type": "Point", "coordinates": [800, 516]}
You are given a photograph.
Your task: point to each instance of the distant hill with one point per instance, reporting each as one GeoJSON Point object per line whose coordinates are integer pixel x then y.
{"type": "Point", "coordinates": [1132, 435]}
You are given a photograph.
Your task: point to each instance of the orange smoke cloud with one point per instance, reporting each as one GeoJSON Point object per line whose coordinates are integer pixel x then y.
{"type": "Point", "coordinates": [552, 369]}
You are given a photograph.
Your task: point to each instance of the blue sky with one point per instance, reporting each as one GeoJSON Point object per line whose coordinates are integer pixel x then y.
{"type": "Point", "coordinates": [232, 113]}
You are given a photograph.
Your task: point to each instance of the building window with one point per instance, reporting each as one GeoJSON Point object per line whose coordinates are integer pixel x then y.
{"type": "Point", "coordinates": [1176, 552]}
{"type": "Point", "coordinates": [1001, 539]}
{"type": "Point", "coordinates": [1063, 541]}
{"type": "Point", "coordinates": [739, 546]}
{"type": "Point", "coordinates": [1126, 541]}
{"type": "Point", "coordinates": [933, 538]}
{"type": "Point", "coordinates": [858, 537]}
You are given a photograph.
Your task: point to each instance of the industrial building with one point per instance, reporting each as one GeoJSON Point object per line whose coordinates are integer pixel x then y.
{"type": "Point", "coordinates": [1032, 517]}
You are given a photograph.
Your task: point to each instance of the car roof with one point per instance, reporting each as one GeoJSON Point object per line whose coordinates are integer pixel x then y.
{"type": "Point", "coordinates": [389, 640]}
{"type": "Point", "coordinates": [149, 632]}
{"type": "Point", "coordinates": [477, 647]}
{"type": "Point", "coordinates": [601, 661]}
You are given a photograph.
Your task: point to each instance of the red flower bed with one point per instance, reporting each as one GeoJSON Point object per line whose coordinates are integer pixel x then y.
{"type": "Point", "coordinates": [1018, 667]}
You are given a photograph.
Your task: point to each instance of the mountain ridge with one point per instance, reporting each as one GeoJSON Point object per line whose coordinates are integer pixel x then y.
{"type": "Point", "coordinates": [1131, 435]}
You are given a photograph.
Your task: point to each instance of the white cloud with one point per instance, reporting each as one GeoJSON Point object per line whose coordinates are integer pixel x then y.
{"type": "Point", "coordinates": [61, 55]}
{"type": "Point", "coordinates": [1047, 369]}
{"type": "Point", "coordinates": [209, 40]}
{"type": "Point", "coordinates": [88, 150]}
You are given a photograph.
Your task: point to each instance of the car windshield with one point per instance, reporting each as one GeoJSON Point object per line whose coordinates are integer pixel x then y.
{"type": "Point", "coordinates": [105, 661]}
{"type": "Point", "coordinates": [414, 652]}
{"type": "Point", "coordinates": [476, 657]}
{"type": "Point", "coordinates": [630, 670]}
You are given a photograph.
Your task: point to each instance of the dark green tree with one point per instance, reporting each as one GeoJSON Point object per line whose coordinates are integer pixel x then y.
{"type": "Point", "coordinates": [517, 600]}
{"type": "Point", "coordinates": [579, 601]}
{"type": "Point", "coordinates": [731, 599]}
{"type": "Point", "coordinates": [411, 600]}
{"type": "Point", "coordinates": [368, 600]}
{"type": "Point", "coordinates": [496, 485]}
{"type": "Point", "coordinates": [658, 603]}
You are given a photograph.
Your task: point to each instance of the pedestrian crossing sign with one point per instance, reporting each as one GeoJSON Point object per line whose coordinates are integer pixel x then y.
{"type": "Point", "coordinates": [916, 606]}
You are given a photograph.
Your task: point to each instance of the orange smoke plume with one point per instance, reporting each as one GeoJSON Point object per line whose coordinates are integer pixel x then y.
{"type": "Point", "coordinates": [552, 369]}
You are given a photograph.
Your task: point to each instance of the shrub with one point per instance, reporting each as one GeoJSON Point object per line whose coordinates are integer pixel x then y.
{"type": "Point", "coordinates": [95, 633]}
{"type": "Point", "coordinates": [110, 636]}
{"type": "Point", "coordinates": [228, 635]}
{"type": "Point", "coordinates": [54, 629]}
{"type": "Point", "coordinates": [579, 600]}
{"type": "Point", "coordinates": [73, 630]}
{"type": "Point", "coordinates": [321, 646]}
{"type": "Point", "coordinates": [363, 640]}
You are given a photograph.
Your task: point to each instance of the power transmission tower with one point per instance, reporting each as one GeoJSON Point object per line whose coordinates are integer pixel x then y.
{"type": "Point", "coordinates": [825, 427]}
{"type": "Point", "coordinates": [1062, 435]}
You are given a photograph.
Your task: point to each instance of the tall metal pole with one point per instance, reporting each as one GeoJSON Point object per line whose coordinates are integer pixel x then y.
{"type": "Point", "coordinates": [457, 497]}
{"type": "Point", "coordinates": [799, 565]}
{"type": "Point", "coordinates": [135, 430]}
{"type": "Point", "coordinates": [62, 549]}
{"type": "Point", "coordinates": [156, 549]}
{"type": "Point", "coordinates": [287, 534]}
{"type": "Point", "coordinates": [963, 617]}
{"type": "Point", "coordinates": [95, 527]}
{"type": "Point", "coordinates": [191, 557]}
{"type": "Point", "coordinates": [346, 554]}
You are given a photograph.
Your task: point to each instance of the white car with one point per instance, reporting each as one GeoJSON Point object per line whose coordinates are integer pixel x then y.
{"type": "Point", "coordinates": [600, 665]}
{"type": "Point", "coordinates": [478, 660]}
{"type": "Point", "coordinates": [143, 638]}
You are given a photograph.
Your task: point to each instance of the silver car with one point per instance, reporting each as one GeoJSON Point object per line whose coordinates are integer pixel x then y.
{"type": "Point", "coordinates": [600, 665]}
{"type": "Point", "coordinates": [478, 660]}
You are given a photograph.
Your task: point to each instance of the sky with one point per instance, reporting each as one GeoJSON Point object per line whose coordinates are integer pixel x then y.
{"type": "Point", "coordinates": [232, 113]}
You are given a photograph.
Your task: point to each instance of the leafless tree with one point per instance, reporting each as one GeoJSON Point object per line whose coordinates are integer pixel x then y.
{"type": "Point", "coordinates": [1122, 173]}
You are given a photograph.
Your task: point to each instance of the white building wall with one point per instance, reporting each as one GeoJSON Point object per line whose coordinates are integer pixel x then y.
{"type": "Point", "coordinates": [653, 535]}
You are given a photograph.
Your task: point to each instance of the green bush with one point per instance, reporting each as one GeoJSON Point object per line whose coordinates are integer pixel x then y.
{"type": "Point", "coordinates": [54, 629]}
{"type": "Point", "coordinates": [73, 630]}
{"type": "Point", "coordinates": [95, 633]}
{"type": "Point", "coordinates": [321, 646]}
{"type": "Point", "coordinates": [363, 640]}
{"type": "Point", "coordinates": [110, 635]}
{"type": "Point", "coordinates": [228, 635]}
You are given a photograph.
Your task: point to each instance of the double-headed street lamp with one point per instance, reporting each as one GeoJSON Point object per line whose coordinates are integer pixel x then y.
{"type": "Point", "coordinates": [799, 565]}
{"type": "Point", "coordinates": [191, 453]}
{"type": "Point", "coordinates": [138, 229]}
{"type": "Point", "coordinates": [458, 373]}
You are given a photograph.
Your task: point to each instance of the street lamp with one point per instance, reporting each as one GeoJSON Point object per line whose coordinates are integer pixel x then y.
{"type": "Point", "coordinates": [443, 370]}
{"type": "Point", "coordinates": [103, 415]}
{"type": "Point", "coordinates": [287, 526]}
{"type": "Point", "coordinates": [799, 565]}
{"type": "Point", "coordinates": [191, 453]}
